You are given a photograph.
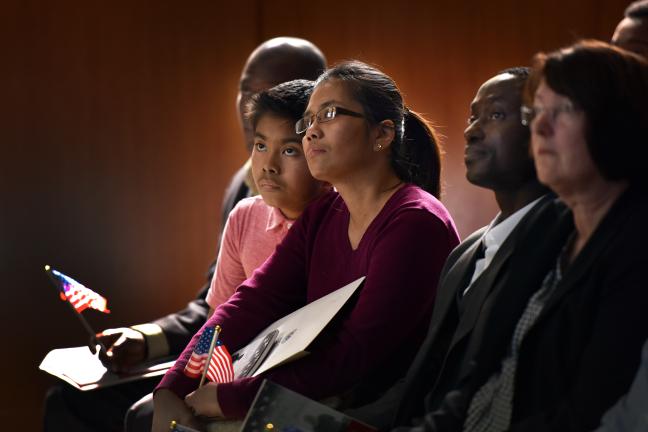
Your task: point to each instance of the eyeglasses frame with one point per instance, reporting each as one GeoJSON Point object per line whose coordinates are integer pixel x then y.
{"type": "Point", "coordinates": [337, 110]}
{"type": "Point", "coordinates": [530, 113]}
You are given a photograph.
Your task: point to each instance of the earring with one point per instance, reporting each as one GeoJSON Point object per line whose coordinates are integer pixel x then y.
{"type": "Point", "coordinates": [379, 147]}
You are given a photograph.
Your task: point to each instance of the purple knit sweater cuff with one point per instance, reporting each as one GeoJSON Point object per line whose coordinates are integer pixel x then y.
{"type": "Point", "coordinates": [236, 397]}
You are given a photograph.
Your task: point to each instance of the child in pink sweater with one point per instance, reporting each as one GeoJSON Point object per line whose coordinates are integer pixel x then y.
{"type": "Point", "coordinates": [257, 224]}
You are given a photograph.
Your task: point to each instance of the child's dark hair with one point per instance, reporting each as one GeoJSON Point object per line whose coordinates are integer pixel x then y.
{"type": "Point", "coordinates": [415, 153]}
{"type": "Point", "coordinates": [287, 100]}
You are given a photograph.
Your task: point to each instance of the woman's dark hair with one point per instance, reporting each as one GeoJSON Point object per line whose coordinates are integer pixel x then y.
{"type": "Point", "coordinates": [288, 100]}
{"type": "Point", "coordinates": [610, 85]}
{"type": "Point", "coordinates": [415, 153]}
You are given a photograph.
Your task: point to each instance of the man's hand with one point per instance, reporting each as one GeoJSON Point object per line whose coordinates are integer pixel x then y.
{"type": "Point", "coordinates": [204, 401]}
{"type": "Point", "coordinates": [167, 406]}
{"type": "Point", "coordinates": [125, 348]}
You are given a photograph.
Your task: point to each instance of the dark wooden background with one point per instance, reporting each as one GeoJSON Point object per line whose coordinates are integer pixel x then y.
{"type": "Point", "coordinates": [119, 133]}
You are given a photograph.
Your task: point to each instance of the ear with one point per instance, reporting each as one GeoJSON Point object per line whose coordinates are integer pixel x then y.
{"type": "Point", "coordinates": [385, 132]}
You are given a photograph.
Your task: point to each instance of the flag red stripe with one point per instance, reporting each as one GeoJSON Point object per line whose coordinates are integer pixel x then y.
{"type": "Point", "coordinates": [220, 367]}
{"type": "Point", "coordinates": [81, 299]}
{"type": "Point", "coordinates": [226, 365]}
{"type": "Point", "coordinates": [195, 365]}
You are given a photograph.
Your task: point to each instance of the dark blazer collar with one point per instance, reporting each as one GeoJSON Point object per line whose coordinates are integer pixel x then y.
{"type": "Point", "coordinates": [620, 211]}
{"type": "Point", "coordinates": [455, 279]}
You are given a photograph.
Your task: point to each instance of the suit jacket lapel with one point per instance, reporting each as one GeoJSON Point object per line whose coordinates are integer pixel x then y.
{"type": "Point", "coordinates": [481, 288]}
{"type": "Point", "coordinates": [455, 280]}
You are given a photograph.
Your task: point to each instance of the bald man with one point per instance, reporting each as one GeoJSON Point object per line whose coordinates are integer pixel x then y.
{"type": "Point", "coordinates": [632, 32]}
{"type": "Point", "coordinates": [66, 409]}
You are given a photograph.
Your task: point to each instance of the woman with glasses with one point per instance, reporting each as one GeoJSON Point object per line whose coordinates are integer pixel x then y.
{"type": "Point", "coordinates": [577, 342]}
{"type": "Point", "coordinates": [382, 221]}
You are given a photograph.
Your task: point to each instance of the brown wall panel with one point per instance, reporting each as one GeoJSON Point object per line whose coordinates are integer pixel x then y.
{"type": "Point", "coordinates": [119, 136]}
{"type": "Point", "coordinates": [119, 133]}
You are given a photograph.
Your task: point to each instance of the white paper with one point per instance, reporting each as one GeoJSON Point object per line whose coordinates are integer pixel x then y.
{"type": "Point", "coordinates": [298, 330]}
{"type": "Point", "coordinates": [83, 370]}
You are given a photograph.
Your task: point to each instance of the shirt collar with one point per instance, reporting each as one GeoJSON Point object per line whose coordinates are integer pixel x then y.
{"type": "Point", "coordinates": [498, 231]}
{"type": "Point", "coordinates": [277, 220]}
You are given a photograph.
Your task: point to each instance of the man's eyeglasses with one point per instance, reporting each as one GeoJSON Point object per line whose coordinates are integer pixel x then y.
{"type": "Point", "coordinates": [528, 114]}
{"type": "Point", "coordinates": [322, 116]}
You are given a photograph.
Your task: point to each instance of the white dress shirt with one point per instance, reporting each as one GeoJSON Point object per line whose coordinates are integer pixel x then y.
{"type": "Point", "coordinates": [495, 235]}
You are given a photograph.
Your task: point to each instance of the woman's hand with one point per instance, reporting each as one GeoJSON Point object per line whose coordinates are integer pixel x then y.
{"type": "Point", "coordinates": [168, 406]}
{"type": "Point", "coordinates": [204, 401]}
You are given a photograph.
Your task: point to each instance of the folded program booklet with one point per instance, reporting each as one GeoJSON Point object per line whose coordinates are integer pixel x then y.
{"type": "Point", "coordinates": [288, 338]}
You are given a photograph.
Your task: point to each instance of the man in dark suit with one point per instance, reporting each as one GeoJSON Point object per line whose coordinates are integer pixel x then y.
{"type": "Point", "coordinates": [508, 253]}
{"type": "Point", "coordinates": [273, 62]}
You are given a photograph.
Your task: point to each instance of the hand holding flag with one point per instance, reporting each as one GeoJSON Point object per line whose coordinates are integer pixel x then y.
{"type": "Point", "coordinates": [79, 298]}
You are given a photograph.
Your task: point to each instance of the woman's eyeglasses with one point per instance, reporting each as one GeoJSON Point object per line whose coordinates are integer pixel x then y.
{"type": "Point", "coordinates": [324, 115]}
{"type": "Point", "coordinates": [528, 114]}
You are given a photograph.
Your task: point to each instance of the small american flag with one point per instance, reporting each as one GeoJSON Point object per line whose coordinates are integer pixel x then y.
{"type": "Point", "coordinates": [78, 295]}
{"type": "Point", "coordinates": [220, 367]}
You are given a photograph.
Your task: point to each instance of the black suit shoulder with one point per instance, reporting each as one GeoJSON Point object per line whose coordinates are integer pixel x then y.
{"type": "Point", "coordinates": [461, 249]}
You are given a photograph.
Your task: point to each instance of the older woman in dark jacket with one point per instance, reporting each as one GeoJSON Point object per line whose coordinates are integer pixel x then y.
{"type": "Point", "coordinates": [589, 125]}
